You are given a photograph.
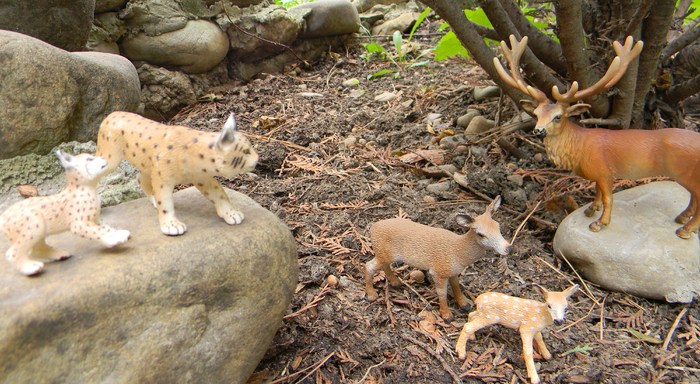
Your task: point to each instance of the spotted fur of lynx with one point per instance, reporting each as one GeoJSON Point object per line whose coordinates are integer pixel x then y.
{"type": "Point", "coordinates": [77, 208]}
{"type": "Point", "coordinates": [170, 155]}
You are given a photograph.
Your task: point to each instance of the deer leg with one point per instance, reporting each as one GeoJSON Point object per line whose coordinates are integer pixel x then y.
{"type": "Point", "coordinates": [595, 204]}
{"type": "Point", "coordinates": [460, 299]}
{"type": "Point", "coordinates": [441, 288]}
{"type": "Point", "coordinates": [687, 213]}
{"type": "Point", "coordinates": [370, 271]}
{"type": "Point", "coordinates": [390, 275]}
{"type": "Point", "coordinates": [541, 348]}
{"type": "Point", "coordinates": [527, 339]}
{"type": "Point", "coordinates": [475, 323]}
{"type": "Point", "coordinates": [605, 189]}
{"type": "Point", "coordinates": [691, 226]}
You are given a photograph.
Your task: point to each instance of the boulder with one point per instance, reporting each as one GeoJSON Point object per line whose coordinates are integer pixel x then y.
{"type": "Point", "coordinates": [196, 48]}
{"type": "Point", "coordinates": [401, 23]}
{"type": "Point", "coordinates": [198, 308]}
{"type": "Point", "coordinates": [108, 5]}
{"type": "Point", "coordinates": [84, 88]}
{"type": "Point", "coordinates": [64, 24]}
{"type": "Point", "coordinates": [327, 18]}
{"type": "Point", "coordinates": [638, 252]}
{"type": "Point", "coordinates": [107, 29]}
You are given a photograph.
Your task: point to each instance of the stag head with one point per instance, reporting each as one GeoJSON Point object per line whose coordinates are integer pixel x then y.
{"type": "Point", "coordinates": [550, 116]}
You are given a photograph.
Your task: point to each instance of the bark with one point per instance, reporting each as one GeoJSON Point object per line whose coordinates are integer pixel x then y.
{"type": "Point", "coordinates": [679, 43]}
{"type": "Point", "coordinates": [452, 12]}
{"type": "Point", "coordinates": [578, 58]}
{"type": "Point", "coordinates": [682, 91]}
{"type": "Point", "coordinates": [533, 68]}
{"type": "Point", "coordinates": [654, 33]}
{"type": "Point", "coordinates": [543, 46]}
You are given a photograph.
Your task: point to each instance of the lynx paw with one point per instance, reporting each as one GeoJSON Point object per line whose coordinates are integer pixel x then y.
{"type": "Point", "coordinates": [232, 217]}
{"type": "Point", "coordinates": [116, 237]}
{"type": "Point", "coordinates": [173, 227]}
{"type": "Point", "coordinates": [30, 267]}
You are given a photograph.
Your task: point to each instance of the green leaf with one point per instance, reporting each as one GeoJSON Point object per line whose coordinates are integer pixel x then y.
{"type": "Point", "coordinates": [380, 73]}
{"type": "Point", "coordinates": [478, 16]}
{"type": "Point", "coordinates": [449, 46]}
{"type": "Point", "coordinates": [584, 349]}
{"type": "Point", "coordinates": [643, 337]}
{"type": "Point", "coordinates": [398, 42]}
{"type": "Point", "coordinates": [418, 22]}
{"type": "Point", "coordinates": [419, 64]}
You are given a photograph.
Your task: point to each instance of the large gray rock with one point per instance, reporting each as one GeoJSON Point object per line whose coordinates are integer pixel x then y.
{"type": "Point", "coordinates": [49, 96]}
{"type": "Point", "coordinates": [328, 18]}
{"type": "Point", "coordinates": [196, 48]}
{"type": "Point", "coordinates": [64, 24]}
{"type": "Point", "coordinates": [199, 308]}
{"type": "Point", "coordinates": [639, 252]}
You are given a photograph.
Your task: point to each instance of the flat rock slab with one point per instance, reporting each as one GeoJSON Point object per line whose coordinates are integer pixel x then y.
{"type": "Point", "coordinates": [639, 252]}
{"type": "Point", "coordinates": [198, 308]}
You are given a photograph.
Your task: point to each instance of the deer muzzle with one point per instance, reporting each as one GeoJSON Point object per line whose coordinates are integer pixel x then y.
{"type": "Point", "coordinates": [540, 132]}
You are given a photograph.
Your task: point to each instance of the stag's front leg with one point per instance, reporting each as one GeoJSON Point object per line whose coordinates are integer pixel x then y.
{"type": "Point", "coordinates": [605, 190]}
{"type": "Point", "coordinates": [596, 204]}
{"type": "Point", "coordinates": [687, 214]}
{"type": "Point", "coordinates": [441, 288]}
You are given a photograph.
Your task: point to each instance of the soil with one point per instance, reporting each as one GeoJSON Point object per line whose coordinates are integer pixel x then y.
{"type": "Point", "coordinates": [333, 160]}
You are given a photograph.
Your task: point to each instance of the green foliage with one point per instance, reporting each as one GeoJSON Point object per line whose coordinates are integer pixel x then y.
{"type": "Point", "coordinates": [582, 349]}
{"type": "Point", "coordinates": [450, 46]}
{"type": "Point", "coordinates": [291, 3]}
{"type": "Point", "coordinates": [693, 12]}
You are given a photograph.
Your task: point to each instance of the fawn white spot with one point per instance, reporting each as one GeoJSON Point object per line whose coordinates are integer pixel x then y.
{"type": "Point", "coordinates": [533, 318]}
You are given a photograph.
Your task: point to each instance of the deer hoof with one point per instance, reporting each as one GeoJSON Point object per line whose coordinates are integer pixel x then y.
{"type": "Point", "coordinates": [372, 296]}
{"type": "Point", "coordinates": [683, 233]}
{"type": "Point", "coordinates": [595, 226]}
{"type": "Point", "coordinates": [683, 218]}
{"type": "Point", "coordinates": [590, 211]}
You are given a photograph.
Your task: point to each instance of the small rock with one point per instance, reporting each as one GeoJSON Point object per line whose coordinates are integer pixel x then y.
{"type": "Point", "coordinates": [483, 93]}
{"type": "Point", "coordinates": [429, 199]}
{"type": "Point", "coordinates": [450, 142]}
{"type": "Point", "coordinates": [332, 281]}
{"type": "Point", "coordinates": [440, 187]}
{"type": "Point", "coordinates": [433, 118]}
{"type": "Point", "coordinates": [538, 157]}
{"type": "Point", "coordinates": [478, 125]}
{"type": "Point", "coordinates": [386, 96]}
{"type": "Point", "coordinates": [310, 94]}
{"type": "Point", "coordinates": [401, 23]}
{"type": "Point", "coordinates": [351, 83]}
{"type": "Point", "coordinates": [461, 149]}
{"type": "Point", "coordinates": [417, 276]}
{"type": "Point", "coordinates": [516, 179]}
{"type": "Point", "coordinates": [355, 93]}
{"type": "Point", "coordinates": [344, 282]}
{"type": "Point", "coordinates": [464, 120]}
{"type": "Point", "coordinates": [349, 142]}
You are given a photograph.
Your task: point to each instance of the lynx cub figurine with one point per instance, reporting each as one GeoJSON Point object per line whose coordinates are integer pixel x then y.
{"type": "Point", "coordinates": [170, 155]}
{"type": "Point", "coordinates": [77, 208]}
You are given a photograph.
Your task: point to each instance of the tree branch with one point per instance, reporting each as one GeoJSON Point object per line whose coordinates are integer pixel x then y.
{"type": "Point", "coordinates": [654, 32]}
{"type": "Point", "coordinates": [578, 58]}
{"type": "Point", "coordinates": [679, 43]}
{"type": "Point", "coordinates": [543, 46]}
{"type": "Point", "coordinates": [682, 91]}
{"type": "Point", "coordinates": [452, 12]}
{"type": "Point", "coordinates": [533, 67]}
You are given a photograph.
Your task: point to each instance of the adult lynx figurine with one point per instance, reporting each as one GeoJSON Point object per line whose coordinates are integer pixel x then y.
{"type": "Point", "coordinates": [77, 208]}
{"type": "Point", "coordinates": [170, 155]}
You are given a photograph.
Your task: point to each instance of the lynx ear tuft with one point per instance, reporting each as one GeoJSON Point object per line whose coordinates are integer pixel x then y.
{"type": "Point", "coordinates": [65, 159]}
{"type": "Point", "coordinates": [228, 132]}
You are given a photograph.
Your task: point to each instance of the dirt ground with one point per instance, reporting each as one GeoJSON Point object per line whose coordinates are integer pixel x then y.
{"type": "Point", "coordinates": [333, 160]}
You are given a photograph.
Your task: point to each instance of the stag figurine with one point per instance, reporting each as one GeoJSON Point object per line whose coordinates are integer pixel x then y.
{"type": "Point", "coordinates": [602, 155]}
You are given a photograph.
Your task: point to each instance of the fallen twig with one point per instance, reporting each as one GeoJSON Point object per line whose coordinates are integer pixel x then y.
{"type": "Point", "coordinates": [426, 347]}
{"type": "Point", "coordinates": [523, 223]}
{"type": "Point", "coordinates": [585, 286]}
{"type": "Point", "coordinates": [321, 295]}
{"type": "Point", "coordinates": [673, 328]}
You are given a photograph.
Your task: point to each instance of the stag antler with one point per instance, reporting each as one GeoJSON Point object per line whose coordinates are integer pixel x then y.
{"type": "Point", "coordinates": [625, 54]}
{"type": "Point", "coordinates": [515, 80]}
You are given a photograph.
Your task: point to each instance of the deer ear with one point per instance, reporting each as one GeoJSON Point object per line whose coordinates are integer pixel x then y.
{"type": "Point", "coordinates": [577, 109]}
{"type": "Point", "coordinates": [528, 106]}
{"type": "Point", "coordinates": [228, 133]}
{"type": "Point", "coordinates": [494, 205]}
{"type": "Point", "coordinates": [544, 291]}
{"type": "Point", "coordinates": [571, 290]}
{"type": "Point", "coordinates": [464, 219]}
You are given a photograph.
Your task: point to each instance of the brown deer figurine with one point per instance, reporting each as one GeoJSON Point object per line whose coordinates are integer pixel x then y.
{"type": "Point", "coordinates": [602, 155]}
{"type": "Point", "coordinates": [444, 254]}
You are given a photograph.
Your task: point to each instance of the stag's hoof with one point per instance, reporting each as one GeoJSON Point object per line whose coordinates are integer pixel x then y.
{"type": "Point", "coordinates": [589, 211]}
{"type": "Point", "coordinates": [372, 296]}
{"type": "Point", "coordinates": [595, 226]}
{"type": "Point", "coordinates": [683, 233]}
